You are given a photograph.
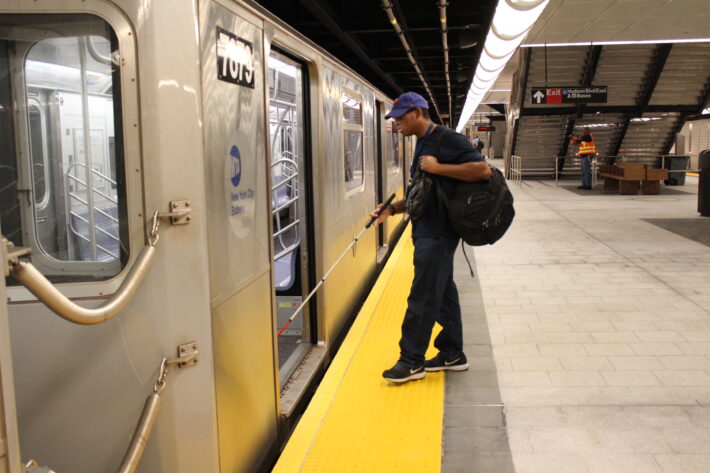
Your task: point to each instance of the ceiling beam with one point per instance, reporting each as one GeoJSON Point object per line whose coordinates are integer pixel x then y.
{"type": "Point", "coordinates": [526, 59]}
{"type": "Point", "coordinates": [326, 17]}
{"type": "Point", "coordinates": [568, 131]}
{"type": "Point", "coordinates": [368, 30]}
{"type": "Point", "coordinates": [590, 70]}
{"type": "Point", "coordinates": [653, 73]}
{"type": "Point", "coordinates": [627, 109]}
{"type": "Point", "coordinates": [498, 107]}
{"type": "Point", "coordinates": [394, 12]}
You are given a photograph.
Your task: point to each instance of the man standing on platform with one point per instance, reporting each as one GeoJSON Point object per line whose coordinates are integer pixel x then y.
{"type": "Point", "coordinates": [433, 296]}
{"type": "Point", "coordinates": [587, 150]}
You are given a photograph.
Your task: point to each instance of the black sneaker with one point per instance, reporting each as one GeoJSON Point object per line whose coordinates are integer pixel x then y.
{"type": "Point", "coordinates": [581, 187]}
{"type": "Point", "coordinates": [401, 373]}
{"type": "Point", "coordinates": [443, 363]}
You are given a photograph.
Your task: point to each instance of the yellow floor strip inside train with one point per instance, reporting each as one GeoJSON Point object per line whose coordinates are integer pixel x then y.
{"type": "Point", "coordinates": [357, 421]}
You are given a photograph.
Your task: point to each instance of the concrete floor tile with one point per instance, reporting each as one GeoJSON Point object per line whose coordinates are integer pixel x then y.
{"type": "Point", "coordinates": [548, 463]}
{"type": "Point", "coordinates": [525, 337]}
{"type": "Point", "coordinates": [657, 349]}
{"type": "Point", "coordinates": [614, 337]}
{"type": "Point", "coordinates": [576, 378]}
{"type": "Point", "coordinates": [694, 348]}
{"type": "Point", "coordinates": [467, 462]}
{"type": "Point", "coordinates": [523, 378]}
{"type": "Point", "coordinates": [476, 439]}
{"type": "Point", "coordinates": [635, 363]}
{"type": "Point", "coordinates": [609, 349]}
{"type": "Point", "coordinates": [586, 363]}
{"type": "Point", "coordinates": [684, 362]}
{"type": "Point", "coordinates": [535, 363]}
{"type": "Point", "coordinates": [564, 440]}
{"type": "Point", "coordinates": [539, 396]}
{"type": "Point", "coordinates": [697, 335]}
{"type": "Point", "coordinates": [684, 463]}
{"type": "Point", "coordinates": [561, 349]}
{"type": "Point", "coordinates": [473, 416]}
{"type": "Point", "coordinates": [622, 464]}
{"type": "Point", "coordinates": [513, 350]}
{"type": "Point", "coordinates": [683, 377]}
{"type": "Point", "coordinates": [570, 337]}
{"type": "Point", "coordinates": [630, 378]}
{"type": "Point", "coordinates": [660, 336]}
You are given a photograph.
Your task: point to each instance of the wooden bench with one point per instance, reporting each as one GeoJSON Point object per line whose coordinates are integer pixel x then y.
{"type": "Point", "coordinates": [628, 178]}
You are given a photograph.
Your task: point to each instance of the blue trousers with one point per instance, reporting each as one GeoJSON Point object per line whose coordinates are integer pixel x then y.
{"type": "Point", "coordinates": [586, 160]}
{"type": "Point", "coordinates": [432, 298]}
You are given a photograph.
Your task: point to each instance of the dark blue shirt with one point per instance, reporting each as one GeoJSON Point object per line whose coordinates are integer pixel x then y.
{"type": "Point", "coordinates": [455, 149]}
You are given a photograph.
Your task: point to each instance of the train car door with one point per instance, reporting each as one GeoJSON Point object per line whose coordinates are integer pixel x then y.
{"type": "Point", "coordinates": [233, 89]}
{"type": "Point", "coordinates": [9, 450]}
{"type": "Point", "coordinates": [381, 175]}
{"type": "Point", "coordinates": [291, 208]}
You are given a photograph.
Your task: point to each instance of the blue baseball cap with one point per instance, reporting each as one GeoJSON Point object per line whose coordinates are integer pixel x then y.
{"type": "Point", "coordinates": [406, 102]}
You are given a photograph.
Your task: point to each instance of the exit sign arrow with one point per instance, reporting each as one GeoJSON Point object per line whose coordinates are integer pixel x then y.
{"type": "Point", "coordinates": [538, 96]}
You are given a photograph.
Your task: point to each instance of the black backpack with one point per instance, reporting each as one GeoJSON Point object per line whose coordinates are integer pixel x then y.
{"type": "Point", "coordinates": [480, 212]}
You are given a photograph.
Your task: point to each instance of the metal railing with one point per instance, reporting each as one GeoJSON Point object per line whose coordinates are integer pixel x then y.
{"type": "Point", "coordinates": [287, 209]}
{"type": "Point", "coordinates": [516, 169]}
{"type": "Point", "coordinates": [572, 166]}
{"type": "Point", "coordinates": [91, 209]}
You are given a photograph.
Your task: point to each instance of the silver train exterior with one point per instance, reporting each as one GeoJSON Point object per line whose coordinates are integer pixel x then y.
{"type": "Point", "coordinates": [269, 153]}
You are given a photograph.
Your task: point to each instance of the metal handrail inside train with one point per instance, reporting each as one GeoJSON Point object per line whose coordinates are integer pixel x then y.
{"type": "Point", "coordinates": [25, 273]}
{"type": "Point", "coordinates": [291, 205]}
{"type": "Point", "coordinates": [92, 210]}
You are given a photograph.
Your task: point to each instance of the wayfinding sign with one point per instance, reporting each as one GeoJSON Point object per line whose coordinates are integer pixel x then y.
{"type": "Point", "coordinates": [572, 94]}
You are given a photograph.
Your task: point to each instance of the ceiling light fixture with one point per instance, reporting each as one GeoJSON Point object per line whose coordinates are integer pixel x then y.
{"type": "Point", "coordinates": [613, 43]}
{"type": "Point", "coordinates": [512, 21]}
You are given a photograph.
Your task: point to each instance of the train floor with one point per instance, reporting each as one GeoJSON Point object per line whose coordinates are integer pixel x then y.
{"type": "Point", "coordinates": [587, 330]}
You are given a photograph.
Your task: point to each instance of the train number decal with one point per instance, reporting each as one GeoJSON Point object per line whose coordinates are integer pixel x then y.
{"type": "Point", "coordinates": [235, 59]}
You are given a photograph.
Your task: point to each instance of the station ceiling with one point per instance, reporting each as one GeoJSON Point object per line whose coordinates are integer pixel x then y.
{"type": "Point", "coordinates": [359, 33]}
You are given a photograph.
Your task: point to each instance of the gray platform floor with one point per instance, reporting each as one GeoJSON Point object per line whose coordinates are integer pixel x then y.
{"type": "Point", "coordinates": [588, 334]}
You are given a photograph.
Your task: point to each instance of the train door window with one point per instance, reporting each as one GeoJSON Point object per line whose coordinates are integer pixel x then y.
{"type": "Point", "coordinates": [396, 146]}
{"type": "Point", "coordinates": [67, 197]}
{"type": "Point", "coordinates": [353, 157]}
{"type": "Point", "coordinates": [289, 170]}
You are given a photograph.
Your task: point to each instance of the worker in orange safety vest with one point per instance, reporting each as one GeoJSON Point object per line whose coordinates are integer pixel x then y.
{"type": "Point", "coordinates": [587, 150]}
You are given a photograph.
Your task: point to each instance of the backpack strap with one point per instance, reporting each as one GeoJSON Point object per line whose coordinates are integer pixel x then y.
{"type": "Point", "coordinates": [442, 198]}
{"type": "Point", "coordinates": [439, 139]}
{"type": "Point", "coordinates": [463, 249]}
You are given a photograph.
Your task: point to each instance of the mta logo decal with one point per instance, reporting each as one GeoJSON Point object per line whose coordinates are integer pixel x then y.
{"type": "Point", "coordinates": [236, 165]}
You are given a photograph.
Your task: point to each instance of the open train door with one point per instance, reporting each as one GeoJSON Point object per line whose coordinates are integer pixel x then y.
{"type": "Point", "coordinates": [9, 445]}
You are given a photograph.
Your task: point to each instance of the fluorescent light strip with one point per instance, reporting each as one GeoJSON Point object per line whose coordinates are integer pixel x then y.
{"type": "Point", "coordinates": [612, 43]}
{"type": "Point", "coordinates": [511, 23]}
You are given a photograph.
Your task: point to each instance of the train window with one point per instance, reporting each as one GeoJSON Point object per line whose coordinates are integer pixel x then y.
{"type": "Point", "coordinates": [61, 72]}
{"type": "Point", "coordinates": [394, 157]}
{"type": "Point", "coordinates": [352, 140]}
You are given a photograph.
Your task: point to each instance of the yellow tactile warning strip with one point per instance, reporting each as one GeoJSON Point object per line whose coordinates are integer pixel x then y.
{"type": "Point", "coordinates": [357, 421]}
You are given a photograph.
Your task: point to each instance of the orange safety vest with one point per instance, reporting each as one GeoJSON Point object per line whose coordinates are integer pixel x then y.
{"type": "Point", "coordinates": [587, 147]}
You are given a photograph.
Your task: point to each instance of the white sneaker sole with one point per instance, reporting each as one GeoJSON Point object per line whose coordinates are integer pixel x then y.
{"type": "Point", "coordinates": [412, 377]}
{"type": "Point", "coordinates": [463, 367]}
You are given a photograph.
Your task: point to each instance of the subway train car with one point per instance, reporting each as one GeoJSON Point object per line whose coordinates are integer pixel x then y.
{"type": "Point", "coordinates": [175, 178]}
